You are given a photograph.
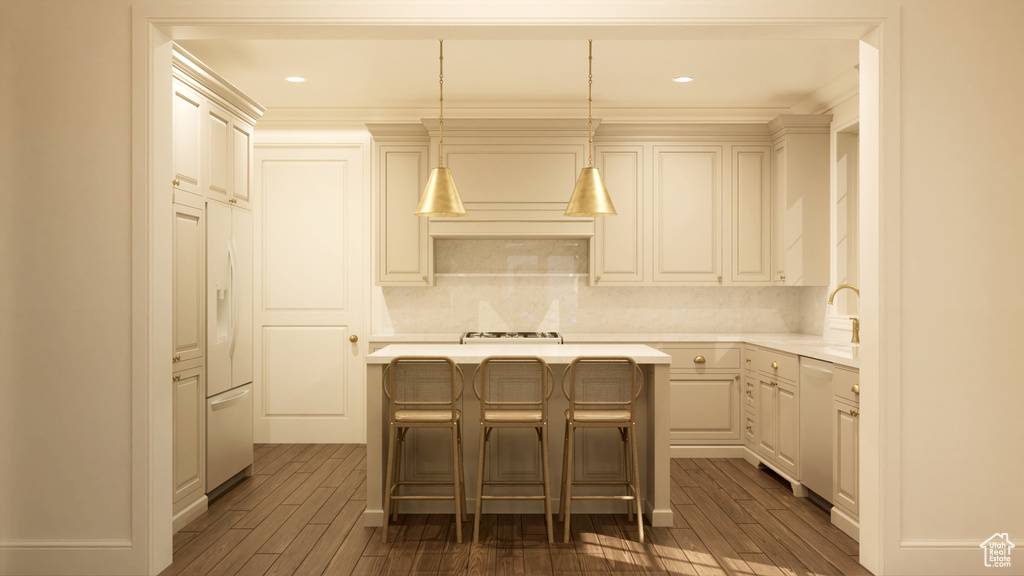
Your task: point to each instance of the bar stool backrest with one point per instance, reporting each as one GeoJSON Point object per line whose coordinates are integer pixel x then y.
{"type": "Point", "coordinates": [602, 383]}
{"type": "Point", "coordinates": [513, 383]}
{"type": "Point", "coordinates": [423, 383]}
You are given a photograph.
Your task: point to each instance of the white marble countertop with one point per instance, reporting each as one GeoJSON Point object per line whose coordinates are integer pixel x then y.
{"type": "Point", "coordinates": [550, 353]}
{"type": "Point", "coordinates": [810, 345]}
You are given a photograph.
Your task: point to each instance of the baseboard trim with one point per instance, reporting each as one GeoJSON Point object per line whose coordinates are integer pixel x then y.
{"type": "Point", "coordinates": [190, 513]}
{"type": "Point", "coordinates": [684, 451]}
{"type": "Point", "coordinates": [847, 523]}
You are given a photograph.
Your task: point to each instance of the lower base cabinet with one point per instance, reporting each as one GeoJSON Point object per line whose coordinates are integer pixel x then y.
{"type": "Point", "coordinates": [705, 394]}
{"type": "Point", "coordinates": [189, 442]}
{"type": "Point", "coordinates": [846, 448]}
{"type": "Point", "coordinates": [777, 425]}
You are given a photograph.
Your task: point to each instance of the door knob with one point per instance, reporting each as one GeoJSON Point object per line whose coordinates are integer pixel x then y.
{"type": "Point", "coordinates": [353, 338]}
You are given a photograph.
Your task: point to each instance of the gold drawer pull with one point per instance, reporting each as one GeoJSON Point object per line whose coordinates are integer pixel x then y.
{"type": "Point", "coordinates": [176, 182]}
{"type": "Point", "coordinates": [177, 377]}
{"type": "Point", "coordinates": [750, 429]}
{"type": "Point", "coordinates": [233, 201]}
{"type": "Point", "coordinates": [775, 364]}
{"type": "Point", "coordinates": [177, 358]}
{"type": "Point", "coordinates": [855, 389]}
{"type": "Point", "coordinates": [854, 413]}
{"type": "Point", "coordinates": [773, 382]}
{"type": "Point", "coordinates": [699, 360]}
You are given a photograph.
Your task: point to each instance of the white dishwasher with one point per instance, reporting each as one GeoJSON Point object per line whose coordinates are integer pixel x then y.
{"type": "Point", "coordinates": [816, 426]}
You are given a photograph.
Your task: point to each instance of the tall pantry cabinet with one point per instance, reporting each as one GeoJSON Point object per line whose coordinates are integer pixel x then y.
{"type": "Point", "coordinates": [212, 167]}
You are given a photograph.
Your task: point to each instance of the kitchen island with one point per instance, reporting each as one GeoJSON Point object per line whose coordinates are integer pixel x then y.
{"type": "Point", "coordinates": [597, 452]}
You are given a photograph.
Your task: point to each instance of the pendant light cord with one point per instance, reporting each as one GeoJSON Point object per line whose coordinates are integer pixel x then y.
{"type": "Point", "coordinates": [590, 107]}
{"type": "Point", "coordinates": [440, 82]}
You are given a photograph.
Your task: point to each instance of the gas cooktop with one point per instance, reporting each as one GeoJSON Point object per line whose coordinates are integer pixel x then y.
{"type": "Point", "coordinates": [503, 337]}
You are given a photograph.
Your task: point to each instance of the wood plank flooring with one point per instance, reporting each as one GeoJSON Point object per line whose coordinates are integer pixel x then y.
{"type": "Point", "coordinates": [301, 513]}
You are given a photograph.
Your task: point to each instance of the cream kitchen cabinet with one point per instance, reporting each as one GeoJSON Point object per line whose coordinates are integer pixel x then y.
{"type": "Point", "coordinates": [801, 206]}
{"type": "Point", "coordinates": [687, 209]}
{"type": "Point", "coordinates": [617, 255]}
{"type": "Point", "coordinates": [778, 412]}
{"type": "Point", "coordinates": [750, 240]}
{"type": "Point", "coordinates": [228, 156]}
{"type": "Point", "coordinates": [212, 133]}
{"type": "Point", "coordinates": [189, 442]}
{"type": "Point", "coordinates": [845, 461]}
{"type": "Point", "coordinates": [186, 137]}
{"type": "Point", "coordinates": [405, 255]}
{"type": "Point", "coordinates": [189, 283]}
{"type": "Point", "coordinates": [705, 394]}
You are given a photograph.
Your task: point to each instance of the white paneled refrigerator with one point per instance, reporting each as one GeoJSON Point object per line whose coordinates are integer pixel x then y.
{"type": "Point", "coordinates": [229, 340]}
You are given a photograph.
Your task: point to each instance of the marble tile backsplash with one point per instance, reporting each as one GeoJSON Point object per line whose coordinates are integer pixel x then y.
{"type": "Point", "coordinates": [565, 303]}
{"type": "Point", "coordinates": [510, 256]}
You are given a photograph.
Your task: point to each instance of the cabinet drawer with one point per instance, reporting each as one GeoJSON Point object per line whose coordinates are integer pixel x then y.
{"type": "Point", "coordinates": [703, 357]}
{"type": "Point", "coordinates": [749, 430]}
{"type": "Point", "coordinates": [750, 359]}
{"type": "Point", "coordinates": [750, 393]}
{"type": "Point", "coordinates": [844, 381]}
{"type": "Point", "coordinates": [778, 364]}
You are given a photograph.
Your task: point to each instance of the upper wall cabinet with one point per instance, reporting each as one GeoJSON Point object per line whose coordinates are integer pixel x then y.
{"type": "Point", "coordinates": [617, 254]}
{"type": "Point", "coordinates": [213, 124]}
{"type": "Point", "coordinates": [801, 207]}
{"type": "Point", "coordinates": [687, 214]}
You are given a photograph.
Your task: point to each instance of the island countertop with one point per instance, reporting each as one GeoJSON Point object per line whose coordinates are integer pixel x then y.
{"type": "Point", "coordinates": [550, 353]}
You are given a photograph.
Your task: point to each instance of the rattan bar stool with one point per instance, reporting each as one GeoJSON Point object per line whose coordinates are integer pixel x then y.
{"type": "Point", "coordinates": [423, 392]}
{"type": "Point", "coordinates": [513, 393]}
{"type": "Point", "coordinates": [602, 393]}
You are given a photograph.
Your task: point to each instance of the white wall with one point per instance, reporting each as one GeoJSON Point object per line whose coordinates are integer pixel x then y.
{"type": "Point", "coordinates": [67, 461]}
{"type": "Point", "coordinates": [66, 403]}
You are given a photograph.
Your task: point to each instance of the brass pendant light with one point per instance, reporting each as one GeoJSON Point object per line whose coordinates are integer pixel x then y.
{"type": "Point", "coordinates": [441, 197]}
{"type": "Point", "coordinates": [590, 196]}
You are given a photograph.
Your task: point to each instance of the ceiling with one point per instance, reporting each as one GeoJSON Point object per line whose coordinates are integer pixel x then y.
{"type": "Point", "coordinates": [395, 78]}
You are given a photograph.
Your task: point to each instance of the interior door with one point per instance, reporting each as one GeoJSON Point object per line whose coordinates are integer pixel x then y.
{"type": "Point", "coordinates": [311, 305]}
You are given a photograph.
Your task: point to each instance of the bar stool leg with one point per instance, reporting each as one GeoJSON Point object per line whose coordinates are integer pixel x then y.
{"type": "Point", "coordinates": [565, 466]}
{"type": "Point", "coordinates": [462, 473]}
{"type": "Point", "coordinates": [389, 483]}
{"type": "Point", "coordinates": [479, 484]}
{"type": "Point", "coordinates": [636, 481]}
{"type": "Point", "coordinates": [568, 473]}
{"type": "Point", "coordinates": [456, 491]}
{"type": "Point", "coordinates": [400, 434]}
{"type": "Point", "coordinates": [546, 469]}
{"type": "Point", "coordinates": [628, 468]}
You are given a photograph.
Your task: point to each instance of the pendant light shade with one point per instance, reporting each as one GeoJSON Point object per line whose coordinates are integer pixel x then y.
{"type": "Point", "coordinates": [590, 196]}
{"type": "Point", "coordinates": [441, 198]}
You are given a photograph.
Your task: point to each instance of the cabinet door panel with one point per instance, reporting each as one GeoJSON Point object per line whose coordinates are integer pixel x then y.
{"type": "Point", "coordinates": [767, 416]}
{"type": "Point", "coordinates": [188, 283]}
{"type": "Point", "coordinates": [687, 214]}
{"type": "Point", "coordinates": [845, 462]}
{"type": "Point", "coordinates": [751, 211]}
{"type": "Point", "coordinates": [187, 119]}
{"type": "Point", "coordinates": [241, 161]}
{"type": "Point", "coordinates": [788, 443]}
{"type": "Point", "coordinates": [403, 247]}
{"type": "Point", "coordinates": [618, 241]}
{"type": "Point", "coordinates": [189, 411]}
{"type": "Point", "coordinates": [705, 410]}
{"type": "Point", "coordinates": [218, 152]}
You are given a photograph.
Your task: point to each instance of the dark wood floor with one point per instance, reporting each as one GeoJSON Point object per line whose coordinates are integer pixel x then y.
{"type": "Point", "coordinates": [301, 513]}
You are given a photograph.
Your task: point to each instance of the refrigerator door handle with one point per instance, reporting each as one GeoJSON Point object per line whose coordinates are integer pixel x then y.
{"type": "Point", "coordinates": [226, 402]}
{"type": "Point", "coordinates": [232, 313]}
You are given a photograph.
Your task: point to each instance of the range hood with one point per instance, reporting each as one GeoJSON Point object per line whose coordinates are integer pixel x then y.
{"type": "Point", "coordinates": [522, 224]}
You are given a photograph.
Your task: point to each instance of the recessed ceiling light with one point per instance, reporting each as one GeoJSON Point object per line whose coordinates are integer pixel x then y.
{"type": "Point", "coordinates": [683, 79]}
{"type": "Point", "coordinates": [295, 79]}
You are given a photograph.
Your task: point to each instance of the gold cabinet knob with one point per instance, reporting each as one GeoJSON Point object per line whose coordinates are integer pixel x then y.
{"type": "Point", "coordinates": [775, 364]}
{"type": "Point", "coordinates": [177, 358]}
{"type": "Point", "coordinates": [748, 360]}
{"type": "Point", "coordinates": [176, 378]}
{"type": "Point", "coordinates": [719, 279]}
{"type": "Point", "coordinates": [854, 413]}
{"type": "Point", "coordinates": [782, 277]}
{"type": "Point", "coordinates": [773, 382]}
{"type": "Point", "coordinates": [424, 278]}
{"type": "Point", "coordinates": [737, 377]}
{"type": "Point", "coordinates": [176, 182]}
{"type": "Point", "coordinates": [597, 278]}
{"type": "Point", "coordinates": [353, 338]}
{"type": "Point", "coordinates": [750, 429]}
{"type": "Point", "coordinates": [699, 359]}
{"type": "Point", "coordinates": [855, 389]}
